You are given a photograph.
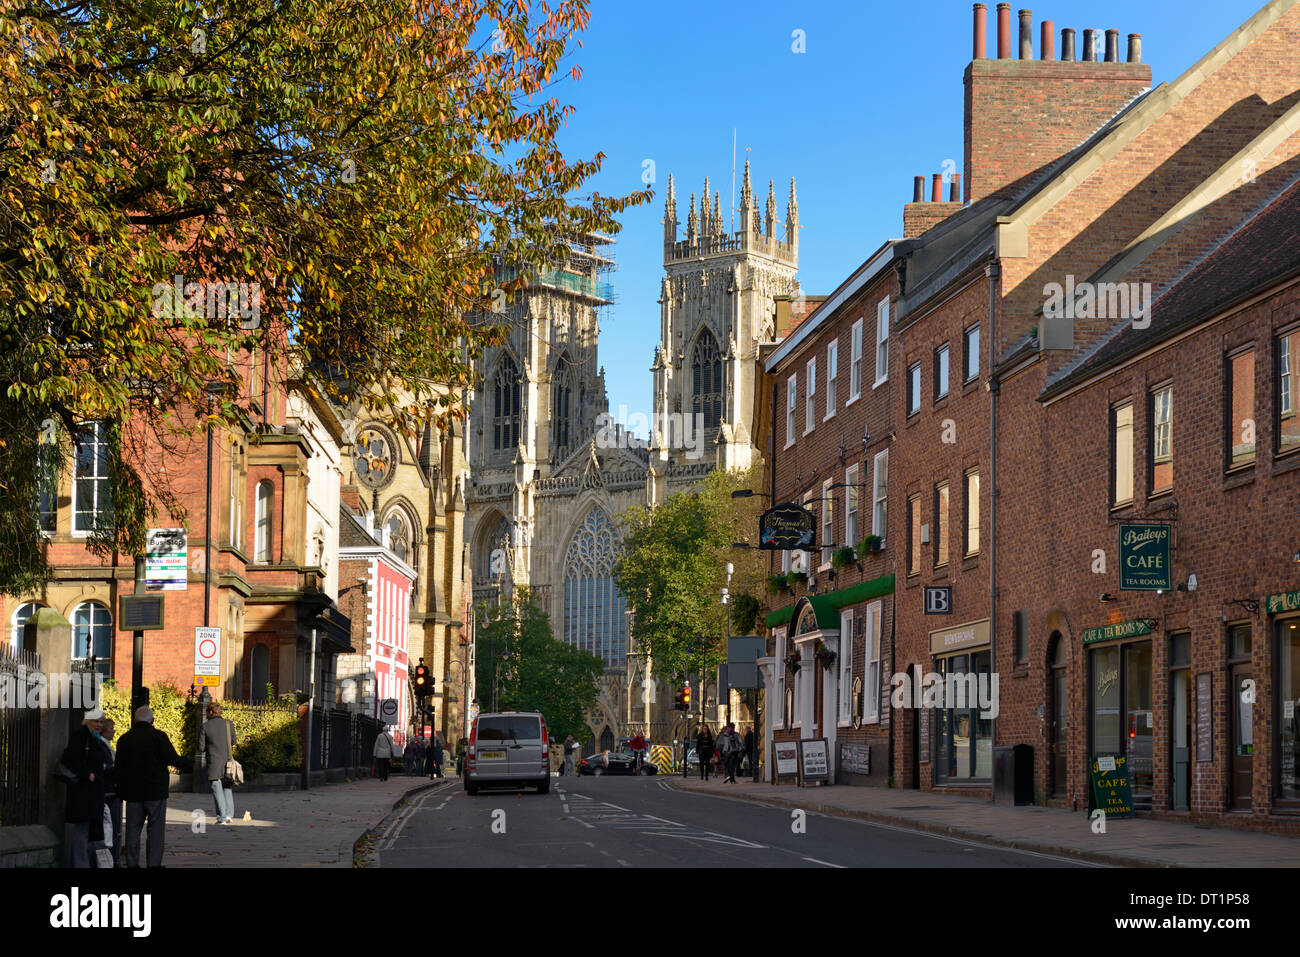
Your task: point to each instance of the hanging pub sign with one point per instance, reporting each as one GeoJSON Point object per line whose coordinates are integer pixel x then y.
{"type": "Point", "coordinates": [787, 527]}
{"type": "Point", "coordinates": [1144, 558]}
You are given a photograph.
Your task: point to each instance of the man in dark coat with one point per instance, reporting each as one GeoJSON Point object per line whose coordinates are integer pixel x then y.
{"type": "Point", "coordinates": [435, 755]}
{"type": "Point", "coordinates": [215, 746]}
{"type": "Point", "coordinates": [143, 756]}
{"type": "Point", "coordinates": [83, 768]}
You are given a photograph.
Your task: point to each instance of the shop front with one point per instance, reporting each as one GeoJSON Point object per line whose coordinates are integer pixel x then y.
{"type": "Point", "coordinates": [1121, 721]}
{"type": "Point", "coordinates": [1283, 612]}
{"type": "Point", "coordinates": [963, 710]}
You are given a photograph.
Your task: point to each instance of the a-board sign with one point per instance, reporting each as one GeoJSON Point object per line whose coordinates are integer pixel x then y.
{"type": "Point", "coordinates": [814, 761]}
{"type": "Point", "coordinates": [855, 758]}
{"type": "Point", "coordinates": [787, 757]}
{"type": "Point", "coordinates": [1112, 790]}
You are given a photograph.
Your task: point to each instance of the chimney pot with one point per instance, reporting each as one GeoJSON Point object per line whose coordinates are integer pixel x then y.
{"type": "Point", "coordinates": [1112, 46]}
{"type": "Point", "coordinates": [1047, 42]}
{"type": "Point", "coordinates": [918, 189]}
{"type": "Point", "coordinates": [1026, 34]}
{"type": "Point", "coordinates": [1135, 48]}
{"type": "Point", "coordinates": [1090, 46]}
{"type": "Point", "coordinates": [981, 31]}
{"type": "Point", "coordinates": [1004, 31]}
{"type": "Point", "coordinates": [936, 189]}
{"type": "Point", "coordinates": [1067, 44]}
{"type": "Point", "coordinates": [954, 189]}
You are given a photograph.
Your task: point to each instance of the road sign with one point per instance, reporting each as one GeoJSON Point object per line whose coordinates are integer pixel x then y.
{"type": "Point", "coordinates": [207, 655]}
{"type": "Point", "coordinates": [166, 556]}
{"type": "Point", "coordinates": [388, 711]}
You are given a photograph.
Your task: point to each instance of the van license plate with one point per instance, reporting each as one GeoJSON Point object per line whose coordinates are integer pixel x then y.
{"type": "Point", "coordinates": [491, 754]}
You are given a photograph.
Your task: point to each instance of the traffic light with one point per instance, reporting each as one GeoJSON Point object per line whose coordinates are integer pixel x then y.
{"type": "Point", "coordinates": [686, 698]}
{"type": "Point", "coordinates": [680, 701]}
{"type": "Point", "coordinates": [423, 680]}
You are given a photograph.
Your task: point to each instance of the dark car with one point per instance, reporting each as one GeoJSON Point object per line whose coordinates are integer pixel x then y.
{"type": "Point", "coordinates": [619, 763]}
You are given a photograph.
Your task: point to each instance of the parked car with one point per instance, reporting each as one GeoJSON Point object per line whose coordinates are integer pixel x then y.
{"type": "Point", "coordinates": [619, 763]}
{"type": "Point", "coordinates": [509, 749]}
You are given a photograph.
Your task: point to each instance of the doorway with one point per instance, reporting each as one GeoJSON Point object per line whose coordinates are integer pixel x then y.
{"type": "Point", "coordinates": [916, 733]}
{"type": "Point", "coordinates": [1121, 712]}
{"type": "Point", "coordinates": [1241, 709]}
{"type": "Point", "coordinates": [1058, 715]}
{"type": "Point", "coordinates": [1180, 721]}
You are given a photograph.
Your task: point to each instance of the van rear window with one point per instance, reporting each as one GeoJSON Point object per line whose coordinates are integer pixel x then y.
{"type": "Point", "coordinates": [493, 729]}
{"type": "Point", "coordinates": [524, 728]}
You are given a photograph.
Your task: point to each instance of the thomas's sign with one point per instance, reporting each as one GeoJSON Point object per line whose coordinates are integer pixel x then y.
{"type": "Point", "coordinates": [1144, 558]}
{"type": "Point", "coordinates": [787, 526]}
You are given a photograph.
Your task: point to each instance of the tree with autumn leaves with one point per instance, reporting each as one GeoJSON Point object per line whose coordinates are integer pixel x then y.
{"type": "Point", "coordinates": [365, 163]}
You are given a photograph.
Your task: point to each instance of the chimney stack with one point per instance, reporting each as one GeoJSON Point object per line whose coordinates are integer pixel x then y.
{"type": "Point", "coordinates": [1047, 44]}
{"type": "Point", "coordinates": [1089, 46]}
{"type": "Point", "coordinates": [1067, 45]}
{"type": "Point", "coordinates": [936, 188]}
{"type": "Point", "coordinates": [1112, 46]}
{"type": "Point", "coordinates": [981, 31]}
{"type": "Point", "coordinates": [1004, 31]}
{"type": "Point", "coordinates": [1135, 48]}
{"type": "Point", "coordinates": [918, 189]}
{"type": "Point", "coordinates": [1026, 34]}
{"type": "Point", "coordinates": [954, 189]}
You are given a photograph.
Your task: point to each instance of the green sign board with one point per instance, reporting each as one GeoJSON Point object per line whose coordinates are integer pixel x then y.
{"type": "Point", "coordinates": [1111, 790]}
{"type": "Point", "coordinates": [1124, 629]}
{"type": "Point", "coordinates": [1144, 557]}
{"type": "Point", "coordinates": [1284, 601]}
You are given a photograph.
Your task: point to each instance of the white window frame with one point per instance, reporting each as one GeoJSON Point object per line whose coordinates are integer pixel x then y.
{"type": "Point", "coordinates": [1284, 374]}
{"type": "Point", "coordinates": [970, 508]}
{"type": "Point", "coordinates": [871, 665]}
{"type": "Point", "coordinates": [832, 376]}
{"type": "Point", "coordinates": [99, 437]}
{"type": "Point", "coordinates": [1162, 432]}
{"type": "Point", "coordinates": [942, 536]}
{"type": "Point", "coordinates": [852, 508]}
{"type": "Point", "coordinates": [236, 500]}
{"type": "Point", "coordinates": [855, 363]}
{"type": "Point", "coordinates": [792, 400]}
{"type": "Point", "coordinates": [880, 497]}
{"type": "Point", "coordinates": [942, 371]}
{"type": "Point", "coordinates": [262, 550]}
{"type": "Point", "coordinates": [882, 342]}
{"type": "Point", "coordinates": [780, 682]}
{"type": "Point", "coordinates": [1118, 472]}
{"type": "Point", "coordinates": [913, 389]}
{"type": "Point", "coordinates": [828, 524]}
{"type": "Point", "coordinates": [970, 363]}
{"type": "Point", "coordinates": [844, 716]}
{"type": "Point", "coordinates": [810, 396]}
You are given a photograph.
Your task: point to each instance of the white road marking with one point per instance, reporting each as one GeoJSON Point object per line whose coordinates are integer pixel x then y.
{"type": "Point", "coordinates": [826, 863]}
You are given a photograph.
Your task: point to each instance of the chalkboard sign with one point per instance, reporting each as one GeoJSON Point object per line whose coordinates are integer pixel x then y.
{"type": "Point", "coordinates": [814, 762]}
{"type": "Point", "coordinates": [924, 735]}
{"type": "Point", "coordinates": [1204, 718]}
{"type": "Point", "coordinates": [1112, 791]}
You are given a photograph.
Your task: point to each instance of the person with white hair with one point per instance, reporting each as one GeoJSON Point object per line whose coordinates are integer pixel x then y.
{"type": "Point", "coordinates": [84, 769]}
{"type": "Point", "coordinates": [143, 756]}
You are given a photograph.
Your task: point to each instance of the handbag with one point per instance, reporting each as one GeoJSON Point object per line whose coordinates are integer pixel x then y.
{"type": "Point", "coordinates": [234, 770]}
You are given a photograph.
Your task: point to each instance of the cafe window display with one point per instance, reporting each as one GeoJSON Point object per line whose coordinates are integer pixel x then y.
{"type": "Point", "coordinates": [1122, 719]}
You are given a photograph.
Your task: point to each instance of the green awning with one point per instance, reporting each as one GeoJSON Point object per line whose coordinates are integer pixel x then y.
{"type": "Point", "coordinates": [827, 606]}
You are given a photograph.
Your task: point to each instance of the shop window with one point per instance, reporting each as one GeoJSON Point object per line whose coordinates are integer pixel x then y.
{"type": "Point", "coordinates": [1161, 451]}
{"type": "Point", "coordinates": [1121, 460]}
{"type": "Point", "coordinates": [964, 739]}
{"type": "Point", "coordinates": [1122, 719]}
{"type": "Point", "coordinates": [1287, 636]}
{"type": "Point", "coordinates": [1288, 392]}
{"type": "Point", "coordinates": [1241, 409]}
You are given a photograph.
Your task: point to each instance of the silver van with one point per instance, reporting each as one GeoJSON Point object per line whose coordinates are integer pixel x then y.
{"type": "Point", "coordinates": [508, 748]}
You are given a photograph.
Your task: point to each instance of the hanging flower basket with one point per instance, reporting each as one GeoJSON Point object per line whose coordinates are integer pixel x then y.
{"type": "Point", "coordinates": [872, 543]}
{"type": "Point", "coordinates": [792, 661]}
{"type": "Point", "coordinates": [824, 655]}
{"type": "Point", "coordinates": [842, 557]}
{"type": "Point", "coordinates": [798, 575]}
{"type": "Point", "coordinates": [777, 583]}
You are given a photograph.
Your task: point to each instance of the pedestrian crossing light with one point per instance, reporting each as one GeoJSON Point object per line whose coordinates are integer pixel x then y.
{"type": "Point", "coordinates": [423, 680]}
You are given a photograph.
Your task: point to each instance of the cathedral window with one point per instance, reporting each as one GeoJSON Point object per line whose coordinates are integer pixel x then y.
{"type": "Point", "coordinates": [562, 410]}
{"type": "Point", "coordinates": [595, 612]}
{"type": "Point", "coordinates": [397, 535]}
{"type": "Point", "coordinates": [506, 405]}
{"type": "Point", "coordinates": [706, 368]}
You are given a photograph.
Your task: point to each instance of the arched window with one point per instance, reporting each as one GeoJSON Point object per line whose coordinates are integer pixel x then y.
{"type": "Point", "coordinates": [607, 739]}
{"type": "Point", "coordinates": [265, 499]}
{"type": "Point", "coordinates": [21, 617]}
{"type": "Point", "coordinates": [563, 409]}
{"type": "Point", "coordinates": [259, 671]}
{"type": "Point", "coordinates": [506, 405]}
{"type": "Point", "coordinates": [706, 372]}
{"type": "Point", "coordinates": [495, 541]}
{"type": "Point", "coordinates": [92, 634]}
{"type": "Point", "coordinates": [397, 535]}
{"type": "Point", "coordinates": [595, 612]}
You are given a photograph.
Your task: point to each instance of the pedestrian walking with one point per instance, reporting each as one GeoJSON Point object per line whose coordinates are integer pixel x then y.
{"type": "Point", "coordinates": [730, 745]}
{"type": "Point", "coordinates": [570, 748]}
{"type": "Point", "coordinates": [383, 751]}
{"type": "Point", "coordinates": [414, 755]}
{"type": "Point", "coordinates": [112, 793]}
{"type": "Point", "coordinates": [143, 756]}
{"type": "Point", "coordinates": [435, 755]}
{"type": "Point", "coordinates": [216, 748]}
{"type": "Point", "coordinates": [704, 750]}
{"type": "Point", "coordinates": [462, 746]}
{"type": "Point", "coordinates": [749, 750]}
{"type": "Point", "coordinates": [82, 769]}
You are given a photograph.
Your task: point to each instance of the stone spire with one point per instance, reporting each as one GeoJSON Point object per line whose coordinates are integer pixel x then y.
{"type": "Point", "coordinates": [692, 223]}
{"type": "Point", "coordinates": [706, 225]}
{"type": "Point", "coordinates": [670, 214]}
{"type": "Point", "coordinates": [748, 219]}
{"type": "Point", "coordinates": [770, 223]}
{"type": "Point", "coordinates": [792, 217]}
{"type": "Point", "coordinates": [717, 214]}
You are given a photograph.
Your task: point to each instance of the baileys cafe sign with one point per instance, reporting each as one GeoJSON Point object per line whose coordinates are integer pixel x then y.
{"type": "Point", "coordinates": [1144, 558]}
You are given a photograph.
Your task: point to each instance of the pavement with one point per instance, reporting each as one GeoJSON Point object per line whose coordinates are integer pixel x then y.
{"type": "Point", "coordinates": [316, 828]}
{"type": "Point", "coordinates": [1126, 842]}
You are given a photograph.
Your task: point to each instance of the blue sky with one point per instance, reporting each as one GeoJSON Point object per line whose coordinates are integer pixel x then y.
{"type": "Point", "coordinates": [875, 100]}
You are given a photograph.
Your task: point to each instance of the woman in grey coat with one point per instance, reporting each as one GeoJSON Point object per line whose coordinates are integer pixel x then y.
{"type": "Point", "coordinates": [216, 744]}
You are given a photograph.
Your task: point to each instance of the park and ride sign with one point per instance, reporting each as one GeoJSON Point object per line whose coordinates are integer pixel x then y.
{"type": "Point", "coordinates": [1144, 557]}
